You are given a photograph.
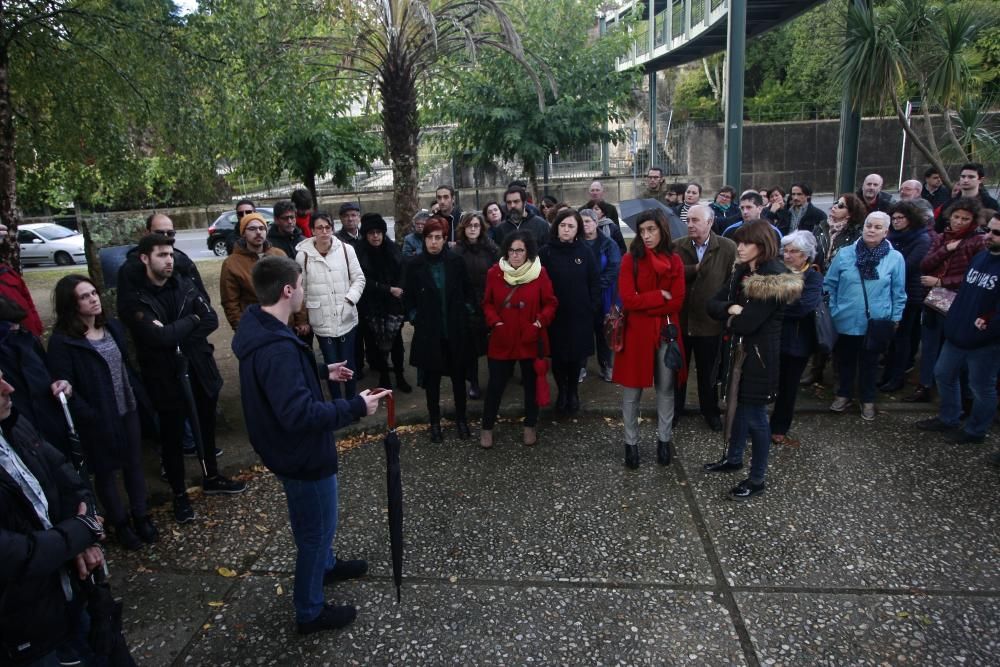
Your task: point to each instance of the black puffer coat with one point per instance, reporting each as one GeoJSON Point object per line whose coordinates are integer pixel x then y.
{"type": "Point", "coordinates": [575, 278]}
{"type": "Point", "coordinates": [383, 268]}
{"type": "Point", "coordinates": [763, 295]}
{"type": "Point", "coordinates": [437, 317]}
{"type": "Point", "coordinates": [34, 615]}
{"type": "Point", "coordinates": [913, 244]}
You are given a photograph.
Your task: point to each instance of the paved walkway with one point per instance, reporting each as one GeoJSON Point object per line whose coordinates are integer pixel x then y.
{"type": "Point", "coordinates": [873, 545]}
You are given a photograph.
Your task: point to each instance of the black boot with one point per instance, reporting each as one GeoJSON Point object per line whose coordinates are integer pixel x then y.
{"type": "Point", "coordinates": [383, 380]}
{"type": "Point", "coordinates": [463, 429]}
{"type": "Point", "coordinates": [632, 456]}
{"type": "Point", "coordinates": [126, 538]}
{"type": "Point", "coordinates": [562, 396]}
{"type": "Point", "coordinates": [475, 392]}
{"type": "Point", "coordinates": [663, 452]}
{"type": "Point", "coordinates": [573, 401]}
{"type": "Point", "coordinates": [402, 384]}
{"type": "Point", "coordinates": [436, 436]}
{"type": "Point", "coordinates": [145, 529]}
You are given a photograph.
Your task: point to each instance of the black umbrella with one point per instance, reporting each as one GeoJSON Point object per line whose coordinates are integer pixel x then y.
{"type": "Point", "coordinates": [737, 356]}
{"type": "Point", "coordinates": [630, 209]}
{"type": "Point", "coordinates": [394, 491]}
{"type": "Point", "coordinates": [105, 612]}
{"type": "Point", "coordinates": [192, 405]}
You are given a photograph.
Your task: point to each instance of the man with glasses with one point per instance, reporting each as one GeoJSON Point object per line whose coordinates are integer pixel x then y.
{"type": "Point", "coordinates": [235, 285]}
{"type": "Point", "coordinates": [350, 223]}
{"type": "Point", "coordinates": [160, 223]}
{"type": "Point", "coordinates": [285, 233]}
{"type": "Point", "coordinates": [656, 188]}
{"type": "Point", "coordinates": [972, 342]}
{"type": "Point", "coordinates": [910, 191]}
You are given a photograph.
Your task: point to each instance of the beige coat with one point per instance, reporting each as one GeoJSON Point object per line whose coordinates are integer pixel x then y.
{"type": "Point", "coordinates": [333, 285]}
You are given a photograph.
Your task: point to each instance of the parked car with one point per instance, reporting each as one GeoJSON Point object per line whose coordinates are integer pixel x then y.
{"type": "Point", "coordinates": [222, 232]}
{"type": "Point", "coordinates": [49, 242]}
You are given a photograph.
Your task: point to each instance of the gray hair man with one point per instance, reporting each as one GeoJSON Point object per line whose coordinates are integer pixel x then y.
{"type": "Point", "coordinates": [911, 191]}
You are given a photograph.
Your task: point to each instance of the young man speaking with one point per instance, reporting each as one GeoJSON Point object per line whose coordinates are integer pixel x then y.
{"type": "Point", "coordinates": [291, 428]}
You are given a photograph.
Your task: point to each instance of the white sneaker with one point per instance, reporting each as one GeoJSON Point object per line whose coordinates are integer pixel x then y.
{"type": "Point", "coordinates": [868, 412]}
{"type": "Point", "coordinates": [840, 404]}
{"type": "Point", "coordinates": [583, 375]}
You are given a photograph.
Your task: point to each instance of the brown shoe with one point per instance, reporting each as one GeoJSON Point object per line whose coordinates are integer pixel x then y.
{"type": "Point", "coordinates": [530, 436]}
{"type": "Point", "coordinates": [921, 394]}
{"type": "Point", "coordinates": [785, 440]}
{"type": "Point", "coordinates": [486, 439]}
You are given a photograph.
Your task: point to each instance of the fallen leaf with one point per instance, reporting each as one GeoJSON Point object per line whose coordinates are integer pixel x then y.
{"type": "Point", "coordinates": [261, 528]}
{"type": "Point", "coordinates": [278, 590]}
{"type": "Point", "coordinates": [215, 603]}
{"type": "Point", "coordinates": [226, 572]}
{"type": "Point", "coordinates": [207, 626]}
{"type": "Point", "coordinates": [902, 614]}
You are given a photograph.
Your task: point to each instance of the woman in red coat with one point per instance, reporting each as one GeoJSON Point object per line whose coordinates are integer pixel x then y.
{"type": "Point", "coordinates": [651, 286]}
{"type": "Point", "coordinates": [518, 304]}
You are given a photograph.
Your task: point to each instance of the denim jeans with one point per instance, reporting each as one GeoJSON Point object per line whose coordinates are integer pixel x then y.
{"type": "Point", "coordinates": [340, 348]}
{"type": "Point", "coordinates": [751, 420]}
{"type": "Point", "coordinates": [931, 338]}
{"type": "Point", "coordinates": [983, 365]}
{"type": "Point", "coordinates": [312, 512]}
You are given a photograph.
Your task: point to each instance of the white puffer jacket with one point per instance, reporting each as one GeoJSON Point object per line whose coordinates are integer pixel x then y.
{"type": "Point", "coordinates": [329, 283]}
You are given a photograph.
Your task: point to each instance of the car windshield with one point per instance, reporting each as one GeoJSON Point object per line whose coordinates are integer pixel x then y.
{"type": "Point", "coordinates": [54, 232]}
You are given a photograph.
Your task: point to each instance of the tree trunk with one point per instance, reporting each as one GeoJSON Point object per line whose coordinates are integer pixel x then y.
{"type": "Point", "coordinates": [949, 130]}
{"type": "Point", "coordinates": [531, 170]}
{"type": "Point", "coordinates": [309, 179]}
{"type": "Point", "coordinates": [933, 156]}
{"type": "Point", "coordinates": [90, 249]}
{"type": "Point", "coordinates": [402, 132]}
{"type": "Point", "coordinates": [10, 251]}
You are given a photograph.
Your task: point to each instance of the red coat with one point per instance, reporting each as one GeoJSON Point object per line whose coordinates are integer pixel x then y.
{"type": "Point", "coordinates": [517, 337]}
{"type": "Point", "coordinates": [12, 287]}
{"type": "Point", "coordinates": [646, 312]}
{"type": "Point", "coordinates": [302, 222]}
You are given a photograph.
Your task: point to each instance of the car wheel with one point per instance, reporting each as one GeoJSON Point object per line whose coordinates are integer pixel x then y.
{"type": "Point", "coordinates": [219, 247]}
{"type": "Point", "coordinates": [63, 258]}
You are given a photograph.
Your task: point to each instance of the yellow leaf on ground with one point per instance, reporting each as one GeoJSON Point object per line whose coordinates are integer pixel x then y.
{"type": "Point", "coordinates": [216, 603]}
{"type": "Point", "coordinates": [226, 572]}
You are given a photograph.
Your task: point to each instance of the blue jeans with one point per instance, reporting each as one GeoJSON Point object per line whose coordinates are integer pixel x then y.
{"type": "Point", "coordinates": [751, 420]}
{"type": "Point", "coordinates": [982, 364]}
{"type": "Point", "coordinates": [931, 338]}
{"type": "Point", "coordinates": [340, 348]}
{"type": "Point", "coordinates": [312, 512]}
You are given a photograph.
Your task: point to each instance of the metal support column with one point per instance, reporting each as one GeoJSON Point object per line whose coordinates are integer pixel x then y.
{"type": "Point", "coordinates": [602, 29]}
{"type": "Point", "coordinates": [736, 60]}
{"type": "Point", "coordinates": [652, 120]}
{"type": "Point", "coordinates": [847, 144]}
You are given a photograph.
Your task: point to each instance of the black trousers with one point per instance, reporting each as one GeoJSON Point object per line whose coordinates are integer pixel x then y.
{"type": "Point", "coordinates": [432, 385]}
{"type": "Point", "coordinates": [172, 436]}
{"type": "Point", "coordinates": [377, 358]}
{"type": "Point", "coordinates": [705, 350]}
{"type": "Point", "coordinates": [789, 373]}
{"type": "Point", "coordinates": [501, 371]}
{"type": "Point", "coordinates": [901, 352]}
{"type": "Point", "coordinates": [132, 475]}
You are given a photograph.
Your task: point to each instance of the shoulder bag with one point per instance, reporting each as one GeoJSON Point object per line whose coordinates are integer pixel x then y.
{"type": "Point", "coordinates": [826, 333]}
{"type": "Point", "coordinates": [939, 299]}
{"type": "Point", "coordinates": [880, 332]}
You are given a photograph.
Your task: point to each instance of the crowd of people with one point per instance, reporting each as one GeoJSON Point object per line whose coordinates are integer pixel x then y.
{"type": "Point", "coordinates": [762, 292]}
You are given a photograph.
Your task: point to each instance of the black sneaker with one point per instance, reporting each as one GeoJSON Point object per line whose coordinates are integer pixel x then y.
{"type": "Point", "coordinates": [746, 490]}
{"type": "Point", "coordinates": [183, 512]}
{"type": "Point", "coordinates": [219, 485]}
{"type": "Point", "coordinates": [935, 424]}
{"type": "Point", "coordinates": [964, 438]}
{"type": "Point", "coordinates": [345, 569]}
{"type": "Point", "coordinates": [722, 465]}
{"type": "Point", "coordinates": [126, 538]}
{"type": "Point", "coordinates": [193, 451]}
{"type": "Point", "coordinates": [331, 618]}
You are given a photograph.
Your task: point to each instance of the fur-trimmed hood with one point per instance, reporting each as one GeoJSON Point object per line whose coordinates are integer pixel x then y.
{"type": "Point", "coordinates": [782, 287]}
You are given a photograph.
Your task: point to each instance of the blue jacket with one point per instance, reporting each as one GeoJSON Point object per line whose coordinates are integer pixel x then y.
{"type": "Point", "coordinates": [886, 295]}
{"type": "Point", "coordinates": [798, 329]}
{"type": "Point", "coordinates": [978, 296]}
{"type": "Point", "coordinates": [289, 424]}
{"type": "Point", "coordinates": [609, 260]}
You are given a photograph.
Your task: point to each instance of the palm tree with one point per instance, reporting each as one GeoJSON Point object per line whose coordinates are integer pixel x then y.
{"type": "Point", "coordinates": [394, 44]}
{"type": "Point", "coordinates": [913, 48]}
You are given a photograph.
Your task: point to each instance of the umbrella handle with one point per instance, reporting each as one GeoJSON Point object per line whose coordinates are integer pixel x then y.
{"type": "Point", "coordinates": [390, 410]}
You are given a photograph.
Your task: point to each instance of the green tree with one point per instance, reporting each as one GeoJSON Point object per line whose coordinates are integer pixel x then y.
{"type": "Point", "coordinates": [914, 48]}
{"type": "Point", "coordinates": [496, 115]}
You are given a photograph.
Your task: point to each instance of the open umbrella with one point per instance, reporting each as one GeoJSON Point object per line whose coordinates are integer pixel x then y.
{"type": "Point", "coordinates": [394, 492]}
{"type": "Point", "coordinates": [185, 379]}
{"type": "Point", "coordinates": [630, 209]}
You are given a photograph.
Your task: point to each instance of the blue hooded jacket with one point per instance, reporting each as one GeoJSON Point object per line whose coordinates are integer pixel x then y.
{"type": "Point", "coordinates": [289, 424]}
{"type": "Point", "coordinates": [978, 297]}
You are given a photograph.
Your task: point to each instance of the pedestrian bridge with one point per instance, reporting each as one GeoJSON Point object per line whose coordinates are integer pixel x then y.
{"type": "Point", "coordinates": [673, 32]}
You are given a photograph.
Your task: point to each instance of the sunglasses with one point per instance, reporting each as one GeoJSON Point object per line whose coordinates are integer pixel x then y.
{"type": "Point", "coordinates": [994, 232]}
{"type": "Point", "coordinates": [166, 232]}
{"type": "Point", "coordinates": [839, 204]}
{"type": "Point", "coordinates": [240, 214]}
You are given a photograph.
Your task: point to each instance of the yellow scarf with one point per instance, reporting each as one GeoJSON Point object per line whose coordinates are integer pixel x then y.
{"type": "Point", "coordinates": [523, 274]}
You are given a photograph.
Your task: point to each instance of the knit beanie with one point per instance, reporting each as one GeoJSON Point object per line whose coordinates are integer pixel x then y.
{"type": "Point", "coordinates": [373, 222]}
{"type": "Point", "coordinates": [248, 218]}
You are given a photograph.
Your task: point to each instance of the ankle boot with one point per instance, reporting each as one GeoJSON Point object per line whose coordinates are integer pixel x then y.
{"type": "Point", "coordinates": [402, 384]}
{"type": "Point", "coordinates": [474, 391]}
{"type": "Point", "coordinates": [562, 397]}
{"type": "Point", "coordinates": [663, 452]}
{"type": "Point", "coordinates": [462, 427]}
{"type": "Point", "coordinates": [530, 436]}
{"type": "Point", "coordinates": [573, 402]}
{"type": "Point", "coordinates": [126, 538]}
{"type": "Point", "coordinates": [921, 394]}
{"type": "Point", "coordinates": [145, 529]}
{"type": "Point", "coordinates": [486, 439]}
{"type": "Point", "coordinates": [632, 456]}
{"type": "Point", "coordinates": [383, 380]}
{"type": "Point", "coordinates": [436, 436]}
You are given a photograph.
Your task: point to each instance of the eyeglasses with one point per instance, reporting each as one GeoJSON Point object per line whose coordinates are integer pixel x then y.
{"type": "Point", "coordinates": [240, 214]}
{"type": "Point", "coordinates": [474, 225]}
{"type": "Point", "coordinates": [254, 228]}
{"type": "Point", "coordinates": [322, 228]}
{"type": "Point", "coordinates": [839, 204]}
{"type": "Point", "coordinates": [994, 232]}
{"type": "Point", "coordinates": [517, 251]}
{"type": "Point", "coordinates": [165, 232]}
{"type": "Point", "coordinates": [290, 216]}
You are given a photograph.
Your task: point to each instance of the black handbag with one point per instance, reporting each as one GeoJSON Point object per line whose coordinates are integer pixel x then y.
{"type": "Point", "coordinates": [826, 333]}
{"type": "Point", "coordinates": [880, 332]}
